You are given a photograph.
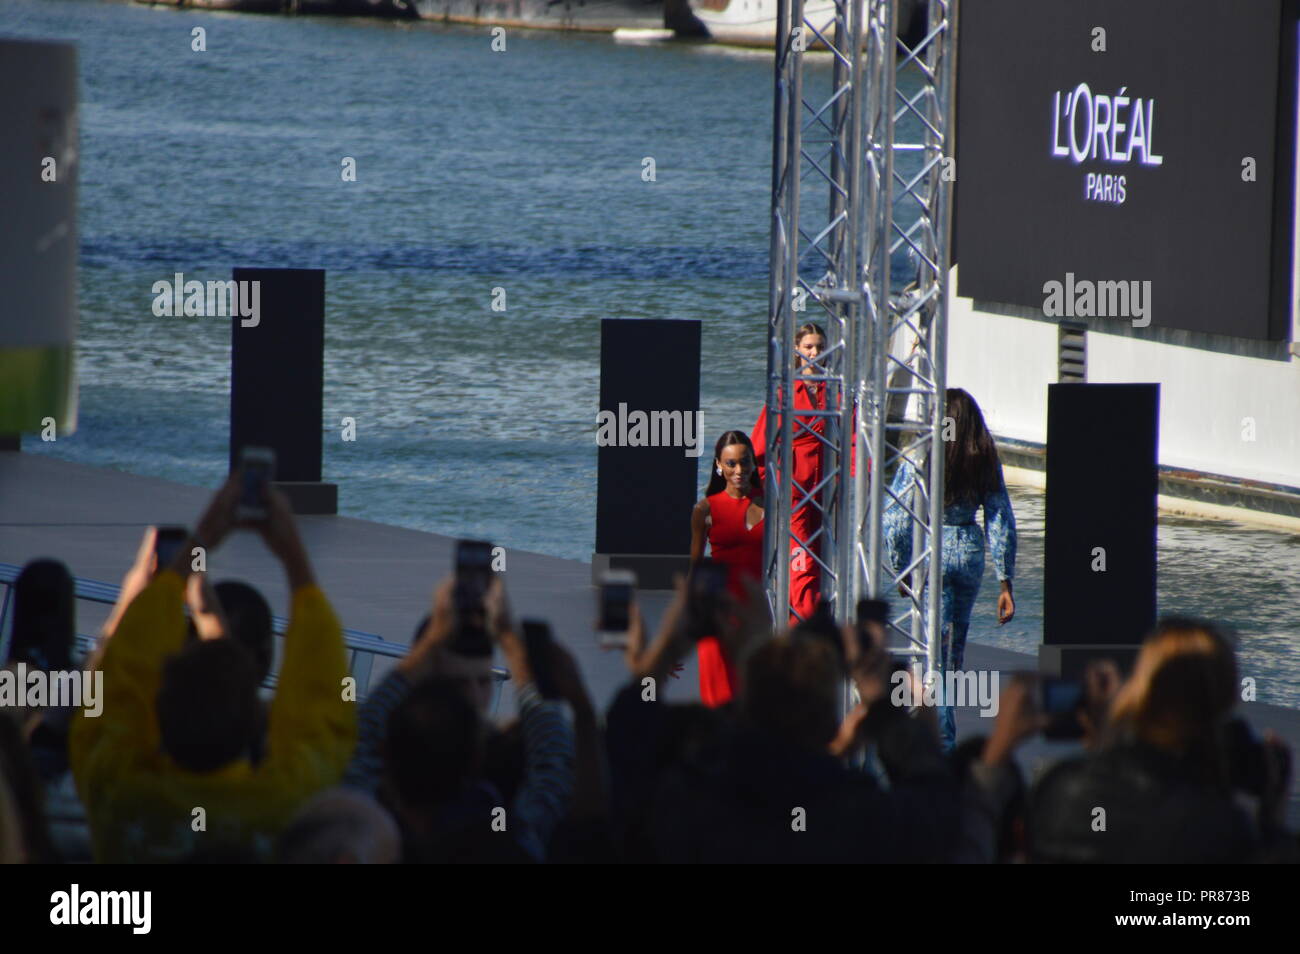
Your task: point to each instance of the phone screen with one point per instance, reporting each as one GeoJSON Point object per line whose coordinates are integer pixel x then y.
{"type": "Point", "coordinates": [252, 482]}
{"type": "Point", "coordinates": [707, 585]}
{"type": "Point", "coordinates": [257, 470]}
{"type": "Point", "coordinates": [1060, 701]}
{"type": "Point", "coordinates": [1060, 697]}
{"type": "Point", "coordinates": [615, 607]}
{"type": "Point", "coordinates": [473, 556]}
{"type": "Point", "coordinates": [167, 541]}
{"type": "Point", "coordinates": [537, 643]}
{"type": "Point", "coordinates": [473, 573]}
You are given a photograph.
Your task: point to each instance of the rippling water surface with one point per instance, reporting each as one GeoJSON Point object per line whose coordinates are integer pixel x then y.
{"type": "Point", "coordinates": [474, 170]}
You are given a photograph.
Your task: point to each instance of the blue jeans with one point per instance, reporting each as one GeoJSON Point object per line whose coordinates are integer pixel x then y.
{"type": "Point", "coordinates": [952, 652]}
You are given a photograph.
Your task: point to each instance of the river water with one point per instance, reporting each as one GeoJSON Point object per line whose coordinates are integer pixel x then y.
{"type": "Point", "coordinates": [475, 170]}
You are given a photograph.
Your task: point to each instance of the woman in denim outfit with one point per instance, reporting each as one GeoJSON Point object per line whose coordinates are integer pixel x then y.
{"type": "Point", "coordinates": [972, 479]}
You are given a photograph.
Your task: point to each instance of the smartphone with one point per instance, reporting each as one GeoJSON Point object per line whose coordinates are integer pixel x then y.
{"type": "Point", "coordinates": [256, 471]}
{"type": "Point", "coordinates": [167, 540]}
{"type": "Point", "coordinates": [473, 574]}
{"type": "Point", "coordinates": [704, 593]}
{"type": "Point", "coordinates": [873, 617]}
{"type": "Point", "coordinates": [614, 607]}
{"type": "Point", "coordinates": [1060, 700]}
{"type": "Point", "coordinates": [705, 590]}
{"type": "Point", "coordinates": [538, 642]}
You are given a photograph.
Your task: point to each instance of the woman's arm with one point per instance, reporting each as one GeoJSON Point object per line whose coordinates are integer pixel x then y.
{"type": "Point", "coordinates": [1000, 528]}
{"type": "Point", "coordinates": [699, 530]}
{"type": "Point", "coordinates": [136, 579]}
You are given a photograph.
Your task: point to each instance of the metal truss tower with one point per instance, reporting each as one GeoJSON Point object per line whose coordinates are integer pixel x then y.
{"type": "Point", "coordinates": [861, 186]}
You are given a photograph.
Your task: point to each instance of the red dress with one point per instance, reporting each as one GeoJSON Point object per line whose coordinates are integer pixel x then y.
{"type": "Point", "coordinates": [740, 549]}
{"type": "Point", "coordinates": [805, 572]}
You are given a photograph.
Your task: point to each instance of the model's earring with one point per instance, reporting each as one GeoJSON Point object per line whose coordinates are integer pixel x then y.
{"type": "Point", "coordinates": [719, 470]}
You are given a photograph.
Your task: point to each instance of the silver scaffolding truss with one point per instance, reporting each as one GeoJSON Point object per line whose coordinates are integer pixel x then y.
{"type": "Point", "coordinates": [860, 244]}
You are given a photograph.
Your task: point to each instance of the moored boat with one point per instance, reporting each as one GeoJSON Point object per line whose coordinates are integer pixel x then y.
{"type": "Point", "coordinates": [601, 16]}
{"type": "Point", "coordinates": [355, 8]}
{"type": "Point", "coordinates": [753, 22]}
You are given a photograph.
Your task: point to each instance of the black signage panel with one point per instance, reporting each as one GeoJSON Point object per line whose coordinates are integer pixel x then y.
{"type": "Point", "coordinates": [1099, 550]}
{"type": "Point", "coordinates": [649, 435]}
{"type": "Point", "coordinates": [1130, 160]}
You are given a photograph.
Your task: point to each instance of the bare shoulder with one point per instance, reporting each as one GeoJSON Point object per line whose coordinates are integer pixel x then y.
{"type": "Point", "coordinates": [701, 511]}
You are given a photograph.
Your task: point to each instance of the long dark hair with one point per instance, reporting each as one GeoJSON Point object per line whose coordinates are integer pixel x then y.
{"type": "Point", "coordinates": [44, 616]}
{"type": "Point", "coordinates": [971, 466]}
{"type": "Point", "coordinates": [718, 483]}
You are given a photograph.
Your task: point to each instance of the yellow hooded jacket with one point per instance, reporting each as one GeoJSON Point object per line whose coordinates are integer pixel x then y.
{"type": "Point", "coordinates": [142, 807]}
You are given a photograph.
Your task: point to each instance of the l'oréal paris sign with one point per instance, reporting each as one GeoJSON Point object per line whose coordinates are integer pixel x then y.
{"type": "Point", "coordinates": [1116, 129]}
{"type": "Point", "coordinates": [1129, 144]}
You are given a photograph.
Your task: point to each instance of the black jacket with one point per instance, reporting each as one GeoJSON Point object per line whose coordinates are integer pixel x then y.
{"type": "Point", "coordinates": [749, 797]}
{"type": "Point", "coordinates": [1156, 809]}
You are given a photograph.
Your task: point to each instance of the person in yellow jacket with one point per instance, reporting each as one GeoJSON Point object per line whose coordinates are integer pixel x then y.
{"type": "Point", "coordinates": [166, 771]}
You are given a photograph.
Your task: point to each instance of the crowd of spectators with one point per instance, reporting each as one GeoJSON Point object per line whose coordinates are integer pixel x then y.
{"type": "Point", "coordinates": [190, 761]}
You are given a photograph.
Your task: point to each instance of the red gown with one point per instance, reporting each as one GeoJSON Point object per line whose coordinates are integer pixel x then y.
{"type": "Point", "coordinates": [805, 572]}
{"type": "Point", "coordinates": [740, 549]}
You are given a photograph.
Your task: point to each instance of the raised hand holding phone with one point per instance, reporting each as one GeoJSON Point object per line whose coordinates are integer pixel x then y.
{"type": "Point", "coordinates": [473, 579]}
{"type": "Point", "coordinates": [707, 589]}
{"type": "Point", "coordinates": [205, 609]}
{"type": "Point", "coordinates": [540, 646]}
{"type": "Point", "coordinates": [217, 521]}
{"type": "Point", "coordinates": [614, 608]}
{"type": "Point", "coordinates": [135, 580]}
{"type": "Point", "coordinates": [256, 471]}
{"type": "Point", "coordinates": [167, 540]}
{"type": "Point", "coordinates": [1020, 715]}
{"type": "Point", "coordinates": [279, 531]}
{"type": "Point", "coordinates": [422, 658]}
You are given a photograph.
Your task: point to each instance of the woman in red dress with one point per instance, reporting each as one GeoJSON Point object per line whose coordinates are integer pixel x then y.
{"type": "Point", "coordinates": [730, 518]}
{"type": "Point", "coordinates": [805, 572]}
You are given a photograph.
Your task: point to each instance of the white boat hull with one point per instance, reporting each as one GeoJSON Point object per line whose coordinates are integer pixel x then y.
{"type": "Point", "coordinates": [753, 22]}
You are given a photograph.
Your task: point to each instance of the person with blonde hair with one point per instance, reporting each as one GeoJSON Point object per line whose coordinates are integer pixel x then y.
{"type": "Point", "coordinates": [1164, 782]}
{"type": "Point", "coordinates": [1183, 686]}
